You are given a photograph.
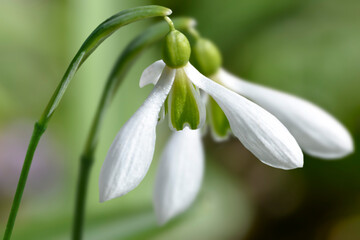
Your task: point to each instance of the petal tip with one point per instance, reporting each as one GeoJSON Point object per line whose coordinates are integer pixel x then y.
{"type": "Point", "coordinates": [297, 162]}
{"type": "Point", "coordinates": [192, 23]}
{"type": "Point", "coordinates": [104, 197]}
{"type": "Point", "coordinates": [345, 145]}
{"type": "Point", "coordinates": [152, 73]}
{"type": "Point", "coordinates": [337, 150]}
{"type": "Point", "coordinates": [142, 84]}
{"type": "Point", "coordinates": [348, 146]}
{"type": "Point", "coordinates": [168, 12]}
{"type": "Point", "coordinates": [162, 219]}
{"type": "Point", "coordinates": [217, 138]}
{"type": "Point", "coordinates": [347, 149]}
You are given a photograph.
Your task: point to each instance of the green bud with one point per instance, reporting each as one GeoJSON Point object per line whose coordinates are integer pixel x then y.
{"type": "Point", "coordinates": [206, 57]}
{"type": "Point", "coordinates": [185, 107]}
{"type": "Point", "coordinates": [219, 123]}
{"type": "Point", "coordinates": [177, 50]}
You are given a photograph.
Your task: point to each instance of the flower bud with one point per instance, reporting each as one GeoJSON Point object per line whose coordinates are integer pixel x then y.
{"type": "Point", "coordinates": [176, 52]}
{"type": "Point", "coordinates": [206, 57]}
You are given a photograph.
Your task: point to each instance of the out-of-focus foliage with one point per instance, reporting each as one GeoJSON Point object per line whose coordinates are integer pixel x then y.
{"type": "Point", "coordinates": [309, 48]}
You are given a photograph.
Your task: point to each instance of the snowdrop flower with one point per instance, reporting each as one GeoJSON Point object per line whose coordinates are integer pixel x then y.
{"type": "Point", "coordinates": [181, 166]}
{"type": "Point", "coordinates": [318, 133]}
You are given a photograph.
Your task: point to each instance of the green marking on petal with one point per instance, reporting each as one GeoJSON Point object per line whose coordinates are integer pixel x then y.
{"type": "Point", "coordinates": [219, 123]}
{"type": "Point", "coordinates": [185, 107]}
{"type": "Point", "coordinates": [166, 105]}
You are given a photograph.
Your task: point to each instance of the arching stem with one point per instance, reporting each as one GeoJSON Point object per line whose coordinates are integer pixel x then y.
{"type": "Point", "coordinates": [103, 31]}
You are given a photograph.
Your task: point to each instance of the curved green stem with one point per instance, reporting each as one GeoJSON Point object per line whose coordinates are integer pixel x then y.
{"type": "Point", "coordinates": [171, 24]}
{"type": "Point", "coordinates": [194, 33]}
{"type": "Point", "coordinates": [123, 64]}
{"type": "Point", "coordinates": [35, 138]}
{"type": "Point", "coordinates": [103, 31]}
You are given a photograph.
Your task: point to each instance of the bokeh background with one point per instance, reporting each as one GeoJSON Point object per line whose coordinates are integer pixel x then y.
{"type": "Point", "coordinates": [306, 47]}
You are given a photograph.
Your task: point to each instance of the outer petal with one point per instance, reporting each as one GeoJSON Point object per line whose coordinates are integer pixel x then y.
{"type": "Point", "coordinates": [258, 130]}
{"type": "Point", "coordinates": [179, 174]}
{"type": "Point", "coordinates": [152, 73]}
{"type": "Point", "coordinates": [130, 155]}
{"type": "Point", "coordinates": [317, 132]}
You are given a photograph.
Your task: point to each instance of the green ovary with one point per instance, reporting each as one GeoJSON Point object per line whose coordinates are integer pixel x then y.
{"type": "Point", "coordinates": [176, 51]}
{"type": "Point", "coordinates": [183, 103]}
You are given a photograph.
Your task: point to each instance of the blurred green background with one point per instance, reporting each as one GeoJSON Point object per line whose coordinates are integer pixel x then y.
{"type": "Point", "coordinates": [310, 48]}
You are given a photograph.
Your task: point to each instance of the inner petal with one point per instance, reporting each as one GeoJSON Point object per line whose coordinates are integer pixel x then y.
{"type": "Point", "coordinates": [185, 107]}
{"type": "Point", "coordinates": [219, 123]}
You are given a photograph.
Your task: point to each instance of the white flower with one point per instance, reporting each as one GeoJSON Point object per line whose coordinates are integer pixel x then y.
{"type": "Point", "coordinates": [181, 167]}
{"type": "Point", "coordinates": [318, 133]}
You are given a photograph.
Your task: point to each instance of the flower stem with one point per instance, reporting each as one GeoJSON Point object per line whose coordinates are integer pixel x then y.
{"type": "Point", "coordinates": [123, 64]}
{"type": "Point", "coordinates": [38, 131]}
{"type": "Point", "coordinates": [103, 31]}
{"type": "Point", "coordinates": [83, 180]}
{"type": "Point", "coordinates": [170, 23]}
{"type": "Point", "coordinates": [194, 33]}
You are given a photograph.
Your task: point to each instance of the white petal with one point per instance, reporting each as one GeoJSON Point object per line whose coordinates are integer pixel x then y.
{"type": "Point", "coordinates": [258, 130]}
{"type": "Point", "coordinates": [317, 132]}
{"type": "Point", "coordinates": [130, 155]}
{"type": "Point", "coordinates": [179, 174]}
{"type": "Point", "coordinates": [152, 73]}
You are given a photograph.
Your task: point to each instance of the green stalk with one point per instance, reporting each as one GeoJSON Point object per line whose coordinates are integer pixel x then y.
{"type": "Point", "coordinates": [103, 31]}
{"type": "Point", "coordinates": [121, 67]}
{"type": "Point", "coordinates": [35, 138]}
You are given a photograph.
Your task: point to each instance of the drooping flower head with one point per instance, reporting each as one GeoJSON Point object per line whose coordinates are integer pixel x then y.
{"type": "Point", "coordinates": [324, 137]}
{"type": "Point", "coordinates": [176, 92]}
{"type": "Point", "coordinates": [318, 133]}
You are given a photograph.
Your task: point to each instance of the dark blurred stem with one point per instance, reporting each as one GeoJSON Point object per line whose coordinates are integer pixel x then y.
{"type": "Point", "coordinates": [86, 163]}
{"type": "Point", "coordinates": [83, 180]}
{"type": "Point", "coordinates": [37, 133]}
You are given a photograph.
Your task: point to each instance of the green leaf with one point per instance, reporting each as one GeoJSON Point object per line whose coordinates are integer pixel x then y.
{"type": "Point", "coordinates": [103, 31]}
